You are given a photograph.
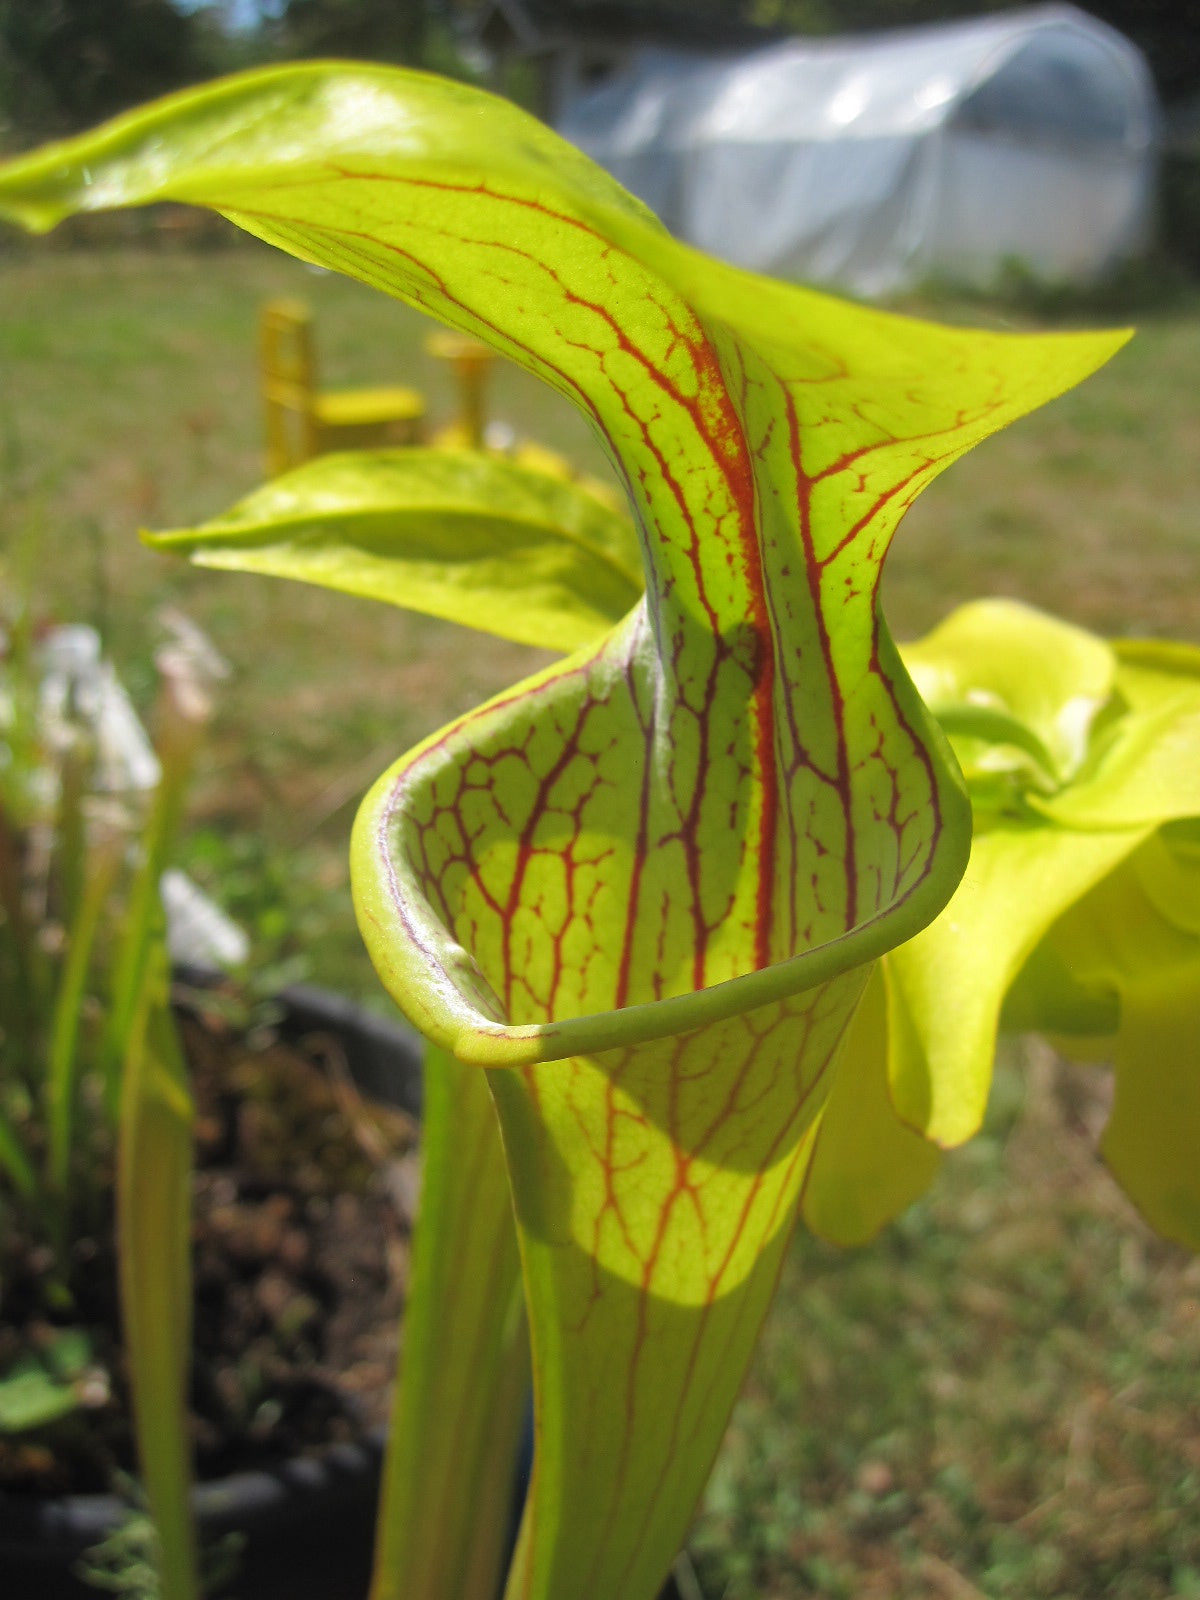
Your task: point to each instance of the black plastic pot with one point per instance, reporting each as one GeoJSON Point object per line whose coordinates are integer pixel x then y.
{"type": "Point", "coordinates": [307, 1527]}
{"type": "Point", "coordinates": [384, 1056]}
{"type": "Point", "coordinates": [305, 1530]}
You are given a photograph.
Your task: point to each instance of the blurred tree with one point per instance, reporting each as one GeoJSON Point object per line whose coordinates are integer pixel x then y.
{"type": "Point", "coordinates": [372, 30]}
{"type": "Point", "coordinates": [1166, 31]}
{"type": "Point", "coordinates": [67, 63]}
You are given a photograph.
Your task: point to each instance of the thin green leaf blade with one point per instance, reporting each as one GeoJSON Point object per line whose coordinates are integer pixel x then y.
{"type": "Point", "coordinates": [62, 1066]}
{"type": "Point", "coordinates": [460, 535]}
{"type": "Point", "coordinates": [154, 1171]}
{"type": "Point", "coordinates": [447, 1497]}
{"type": "Point", "coordinates": [14, 1160]}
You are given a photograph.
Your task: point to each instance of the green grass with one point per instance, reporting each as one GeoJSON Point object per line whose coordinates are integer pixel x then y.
{"type": "Point", "coordinates": [998, 1398]}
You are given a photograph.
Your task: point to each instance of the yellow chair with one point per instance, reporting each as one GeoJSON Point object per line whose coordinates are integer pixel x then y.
{"type": "Point", "coordinates": [472, 363]}
{"type": "Point", "coordinates": [303, 421]}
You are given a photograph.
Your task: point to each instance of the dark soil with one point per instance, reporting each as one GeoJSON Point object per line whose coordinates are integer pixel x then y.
{"type": "Point", "coordinates": [301, 1224]}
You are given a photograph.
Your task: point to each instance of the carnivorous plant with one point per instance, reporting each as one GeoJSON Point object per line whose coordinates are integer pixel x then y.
{"type": "Point", "coordinates": [634, 902]}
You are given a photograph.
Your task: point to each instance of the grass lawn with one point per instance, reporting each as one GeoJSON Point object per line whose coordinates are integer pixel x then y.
{"type": "Point", "coordinates": [999, 1398]}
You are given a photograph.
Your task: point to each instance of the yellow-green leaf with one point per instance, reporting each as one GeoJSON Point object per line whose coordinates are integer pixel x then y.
{"type": "Point", "coordinates": [457, 534]}
{"type": "Point", "coordinates": [461, 1392]}
{"type": "Point", "coordinates": [1017, 682]}
{"type": "Point", "coordinates": [1077, 915]}
{"type": "Point", "coordinates": [947, 985]}
{"type": "Point", "coordinates": [867, 1165]}
{"type": "Point", "coordinates": [1151, 1138]}
{"type": "Point", "coordinates": [1116, 939]}
{"type": "Point", "coordinates": [1145, 768]}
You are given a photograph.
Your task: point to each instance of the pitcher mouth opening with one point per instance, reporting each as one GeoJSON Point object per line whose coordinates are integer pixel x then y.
{"type": "Point", "coordinates": [443, 991]}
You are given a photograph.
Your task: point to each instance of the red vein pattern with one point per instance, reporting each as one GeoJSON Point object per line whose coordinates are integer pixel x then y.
{"type": "Point", "coordinates": [730, 778]}
{"type": "Point", "coordinates": [727, 780]}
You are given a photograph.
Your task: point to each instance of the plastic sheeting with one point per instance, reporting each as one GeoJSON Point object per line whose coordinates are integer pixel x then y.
{"type": "Point", "coordinates": [879, 162]}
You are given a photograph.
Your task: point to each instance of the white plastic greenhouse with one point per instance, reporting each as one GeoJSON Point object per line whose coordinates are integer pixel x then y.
{"type": "Point", "coordinates": [880, 161]}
